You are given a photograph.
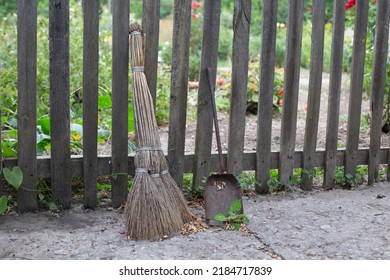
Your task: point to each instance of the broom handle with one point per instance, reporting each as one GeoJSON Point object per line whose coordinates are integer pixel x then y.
{"type": "Point", "coordinates": [213, 105]}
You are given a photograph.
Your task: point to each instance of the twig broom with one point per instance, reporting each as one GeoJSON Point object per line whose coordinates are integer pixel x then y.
{"type": "Point", "coordinates": [155, 205]}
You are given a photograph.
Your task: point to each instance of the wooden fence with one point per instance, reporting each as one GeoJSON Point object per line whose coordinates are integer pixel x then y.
{"type": "Point", "coordinates": [60, 167]}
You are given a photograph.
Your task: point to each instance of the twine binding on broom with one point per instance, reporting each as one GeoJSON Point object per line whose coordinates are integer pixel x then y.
{"type": "Point", "coordinates": [138, 69]}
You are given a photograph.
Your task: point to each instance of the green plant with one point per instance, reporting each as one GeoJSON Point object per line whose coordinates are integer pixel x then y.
{"type": "Point", "coordinates": [45, 198]}
{"type": "Point", "coordinates": [233, 218]}
{"type": "Point", "coordinates": [246, 179]}
{"type": "Point", "coordinates": [349, 180]}
{"type": "Point", "coordinates": [3, 204]}
{"type": "Point", "coordinates": [8, 79]}
{"type": "Point", "coordinates": [14, 177]}
{"type": "Point", "coordinates": [275, 185]}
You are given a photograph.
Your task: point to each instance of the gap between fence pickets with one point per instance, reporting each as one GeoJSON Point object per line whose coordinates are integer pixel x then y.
{"type": "Point", "coordinates": [249, 162]}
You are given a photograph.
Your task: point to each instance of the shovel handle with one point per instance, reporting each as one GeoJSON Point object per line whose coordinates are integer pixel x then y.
{"type": "Point", "coordinates": [214, 107]}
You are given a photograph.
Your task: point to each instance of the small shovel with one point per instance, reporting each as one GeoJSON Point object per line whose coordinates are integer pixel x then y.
{"type": "Point", "coordinates": [222, 189]}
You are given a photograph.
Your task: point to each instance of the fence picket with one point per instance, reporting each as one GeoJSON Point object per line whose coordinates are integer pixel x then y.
{"type": "Point", "coordinates": [265, 107]}
{"type": "Point", "coordinates": [60, 166]}
{"type": "Point", "coordinates": [240, 58]}
{"type": "Point", "coordinates": [314, 98]}
{"type": "Point", "coordinates": [179, 88]}
{"type": "Point", "coordinates": [59, 102]}
{"type": "Point", "coordinates": [204, 130]}
{"type": "Point", "coordinates": [291, 89]}
{"type": "Point", "coordinates": [378, 86]}
{"type": "Point", "coordinates": [356, 89]}
{"type": "Point", "coordinates": [120, 71]}
{"type": "Point", "coordinates": [2, 190]}
{"type": "Point", "coordinates": [151, 30]}
{"type": "Point", "coordinates": [90, 99]}
{"type": "Point", "coordinates": [27, 94]}
{"type": "Point", "coordinates": [336, 71]}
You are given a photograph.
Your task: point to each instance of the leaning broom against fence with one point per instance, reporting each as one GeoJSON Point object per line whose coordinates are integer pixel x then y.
{"type": "Point", "coordinates": [155, 204]}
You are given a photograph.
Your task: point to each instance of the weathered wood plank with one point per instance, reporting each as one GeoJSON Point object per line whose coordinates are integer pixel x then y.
{"type": "Point", "coordinates": [314, 98]}
{"type": "Point", "coordinates": [204, 130]}
{"type": "Point", "coordinates": [378, 85]}
{"type": "Point", "coordinates": [240, 58]}
{"type": "Point", "coordinates": [264, 116]}
{"type": "Point", "coordinates": [179, 88]}
{"type": "Point", "coordinates": [2, 191]}
{"type": "Point", "coordinates": [151, 31]}
{"type": "Point", "coordinates": [356, 88]}
{"type": "Point", "coordinates": [336, 71]}
{"type": "Point", "coordinates": [120, 70]}
{"type": "Point", "coordinates": [59, 101]}
{"type": "Point", "coordinates": [90, 99]}
{"type": "Point", "coordinates": [27, 94]}
{"type": "Point", "coordinates": [291, 89]}
{"type": "Point", "coordinates": [249, 159]}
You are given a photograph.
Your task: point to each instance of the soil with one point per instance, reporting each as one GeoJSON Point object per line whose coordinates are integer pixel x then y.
{"type": "Point", "coordinates": [336, 224]}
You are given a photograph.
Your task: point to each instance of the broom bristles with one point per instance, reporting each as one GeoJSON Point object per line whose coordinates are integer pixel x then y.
{"type": "Point", "coordinates": [147, 215]}
{"type": "Point", "coordinates": [155, 204]}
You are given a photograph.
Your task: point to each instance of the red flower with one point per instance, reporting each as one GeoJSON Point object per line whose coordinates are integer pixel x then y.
{"type": "Point", "coordinates": [196, 5]}
{"type": "Point", "coordinates": [219, 82]}
{"type": "Point", "coordinates": [309, 9]}
{"type": "Point", "coordinates": [350, 4]}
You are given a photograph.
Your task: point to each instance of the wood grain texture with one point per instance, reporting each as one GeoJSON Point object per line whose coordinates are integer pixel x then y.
{"type": "Point", "coordinates": [314, 94]}
{"type": "Point", "coordinates": [291, 89]}
{"type": "Point", "coordinates": [179, 88]}
{"type": "Point", "coordinates": [120, 87]}
{"type": "Point", "coordinates": [204, 130]}
{"type": "Point", "coordinates": [378, 86]}
{"type": "Point", "coordinates": [240, 58]}
{"type": "Point", "coordinates": [90, 99]}
{"type": "Point", "coordinates": [356, 88]}
{"type": "Point", "coordinates": [336, 71]}
{"type": "Point", "coordinates": [27, 96]}
{"type": "Point", "coordinates": [151, 31]}
{"type": "Point", "coordinates": [265, 107]}
{"type": "Point", "coordinates": [59, 102]}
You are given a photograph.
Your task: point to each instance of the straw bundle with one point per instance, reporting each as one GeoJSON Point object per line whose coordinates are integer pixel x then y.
{"type": "Point", "coordinates": [155, 205]}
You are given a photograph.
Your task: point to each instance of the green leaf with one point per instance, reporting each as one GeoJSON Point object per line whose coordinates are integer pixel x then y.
{"type": "Point", "coordinates": [220, 217]}
{"type": "Point", "coordinates": [131, 147]}
{"type": "Point", "coordinates": [104, 102]}
{"type": "Point", "coordinates": [41, 197]}
{"type": "Point", "coordinates": [53, 206]}
{"type": "Point", "coordinates": [235, 207]}
{"type": "Point", "coordinates": [130, 116]}
{"type": "Point", "coordinates": [13, 176]}
{"type": "Point", "coordinates": [103, 187]}
{"type": "Point", "coordinates": [235, 226]}
{"type": "Point", "coordinates": [245, 220]}
{"type": "Point", "coordinates": [8, 152]}
{"type": "Point", "coordinates": [3, 204]}
{"type": "Point", "coordinates": [45, 125]}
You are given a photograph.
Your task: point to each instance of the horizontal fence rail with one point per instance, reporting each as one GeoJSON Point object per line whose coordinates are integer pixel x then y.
{"type": "Point", "coordinates": [104, 163]}
{"type": "Point", "coordinates": [60, 167]}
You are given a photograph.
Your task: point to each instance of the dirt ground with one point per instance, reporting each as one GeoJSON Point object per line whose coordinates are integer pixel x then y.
{"type": "Point", "coordinates": [336, 224]}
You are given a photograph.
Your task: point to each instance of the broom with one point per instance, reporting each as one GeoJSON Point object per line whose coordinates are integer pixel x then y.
{"type": "Point", "coordinates": [155, 205]}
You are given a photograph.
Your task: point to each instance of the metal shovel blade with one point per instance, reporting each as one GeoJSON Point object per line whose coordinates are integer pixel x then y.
{"type": "Point", "coordinates": [219, 193]}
